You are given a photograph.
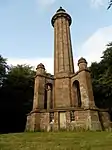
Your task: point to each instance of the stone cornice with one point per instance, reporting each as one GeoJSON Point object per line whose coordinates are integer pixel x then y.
{"type": "Point", "coordinates": [45, 76]}
{"type": "Point", "coordinates": [75, 74]}
{"type": "Point", "coordinates": [60, 15]}
{"type": "Point", "coordinates": [61, 76]}
{"type": "Point", "coordinates": [67, 109]}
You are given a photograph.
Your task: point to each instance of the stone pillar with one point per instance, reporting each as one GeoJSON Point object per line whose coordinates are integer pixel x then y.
{"type": "Point", "coordinates": [33, 119]}
{"type": "Point", "coordinates": [33, 122]}
{"type": "Point", "coordinates": [44, 121]}
{"type": "Point", "coordinates": [63, 57]}
{"type": "Point", "coordinates": [35, 100]}
{"type": "Point", "coordinates": [39, 88]}
{"type": "Point", "coordinates": [68, 120]}
{"type": "Point", "coordinates": [56, 121]}
{"type": "Point", "coordinates": [49, 97]}
{"type": "Point", "coordinates": [87, 98]}
{"type": "Point", "coordinates": [105, 120]}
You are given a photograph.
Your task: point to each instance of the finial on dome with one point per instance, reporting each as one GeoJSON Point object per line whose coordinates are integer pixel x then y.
{"type": "Point", "coordinates": [82, 60]}
{"type": "Point", "coordinates": [60, 9]}
{"type": "Point", "coordinates": [40, 66]}
{"type": "Point", "coordinates": [82, 63]}
{"type": "Point", "coordinates": [59, 14]}
{"type": "Point", "coordinates": [40, 69]}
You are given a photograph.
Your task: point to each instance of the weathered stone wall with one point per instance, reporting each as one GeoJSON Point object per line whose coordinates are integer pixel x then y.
{"type": "Point", "coordinates": [84, 120]}
{"type": "Point", "coordinates": [62, 93]}
{"type": "Point", "coordinates": [81, 120]}
{"type": "Point", "coordinates": [33, 122]}
{"type": "Point", "coordinates": [84, 79]}
{"type": "Point", "coordinates": [105, 120]}
{"type": "Point", "coordinates": [28, 123]}
{"type": "Point", "coordinates": [94, 118]}
{"type": "Point", "coordinates": [56, 123]}
{"type": "Point", "coordinates": [44, 121]}
{"type": "Point", "coordinates": [49, 80]}
{"type": "Point", "coordinates": [68, 121]}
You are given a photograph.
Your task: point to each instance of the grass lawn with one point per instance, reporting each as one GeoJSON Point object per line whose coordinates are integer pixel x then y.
{"type": "Point", "coordinates": [57, 141]}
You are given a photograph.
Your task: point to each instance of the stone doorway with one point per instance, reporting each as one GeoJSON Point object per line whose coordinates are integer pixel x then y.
{"type": "Point", "coordinates": [62, 120]}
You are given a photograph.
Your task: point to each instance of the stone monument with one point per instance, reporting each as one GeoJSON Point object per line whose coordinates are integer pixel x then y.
{"type": "Point", "coordinates": [65, 101]}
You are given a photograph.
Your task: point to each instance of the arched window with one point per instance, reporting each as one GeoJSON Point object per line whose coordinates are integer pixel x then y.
{"type": "Point", "coordinates": [76, 94]}
{"type": "Point", "coordinates": [48, 96]}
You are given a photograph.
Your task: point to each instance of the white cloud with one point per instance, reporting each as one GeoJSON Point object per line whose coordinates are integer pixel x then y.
{"type": "Point", "coordinates": [98, 3]}
{"type": "Point", "coordinates": [45, 3]}
{"type": "Point", "coordinates": [48, 62]}
{"type": "Point", "coordinates": [93, 3]}
{"type": "Point", "coordinates": [91, 49]}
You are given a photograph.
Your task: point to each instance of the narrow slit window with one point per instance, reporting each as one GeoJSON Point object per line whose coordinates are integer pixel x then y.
{"type": "Point", "coordinates": [72, 116]}
{"type": "Point", "coordinates": [51, 117]}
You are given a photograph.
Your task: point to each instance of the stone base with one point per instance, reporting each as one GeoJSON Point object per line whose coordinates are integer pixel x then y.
{"type": "Point", "coordinates": [94, 120]}
{"type": "Point", "coordinates": [105, 120]}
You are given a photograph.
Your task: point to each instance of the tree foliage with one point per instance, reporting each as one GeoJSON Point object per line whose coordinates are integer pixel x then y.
{"type": "Point", "coordinates": [3, 69]}
{"type": "Point", "coordinates": [16, 96]}
{"type": "Point", "coordinates": [110, 4]}
{"type": "Point", "coordinates": [19, 84]}
{"type": "Point", "coordinates": [102, 79]}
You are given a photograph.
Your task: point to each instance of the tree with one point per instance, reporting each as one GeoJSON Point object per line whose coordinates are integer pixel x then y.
{"type": "Point", "coordinates": [110, 4]}
{"type": "Point", "coordinates": [102, 79]}
{"type": "Point", "coordinates": [20, 82]}
{"type": "Point", "coordinates": [16, 97]}
{"type": "Point", "coordinates": [3, 69]}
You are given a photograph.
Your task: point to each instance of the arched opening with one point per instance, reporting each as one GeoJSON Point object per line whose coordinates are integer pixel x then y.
{"type": "Point", "coordinates": [48, 104]}
{"type": "Point", "coordinates": [76, 94]}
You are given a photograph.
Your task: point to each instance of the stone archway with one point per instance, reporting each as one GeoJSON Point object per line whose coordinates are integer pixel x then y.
{"type": "Point", "coordinates": [48, 104]}
{"type": "Point", "coordinates": [76, 94]}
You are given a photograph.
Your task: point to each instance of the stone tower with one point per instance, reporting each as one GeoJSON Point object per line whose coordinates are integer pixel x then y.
{"type": "Point", "coordinates": [64, 100]}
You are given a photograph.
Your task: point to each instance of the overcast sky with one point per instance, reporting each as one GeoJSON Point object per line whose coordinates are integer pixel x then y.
{"type": "Point", "coordinates": [26, 34]}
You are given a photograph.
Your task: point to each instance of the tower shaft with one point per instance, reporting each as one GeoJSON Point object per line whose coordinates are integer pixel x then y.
{"type": "Point", "coordinates": [63, 57]}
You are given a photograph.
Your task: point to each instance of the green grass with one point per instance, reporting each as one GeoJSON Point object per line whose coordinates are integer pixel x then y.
{"type": "Point", "coordinates": [57, 141]}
